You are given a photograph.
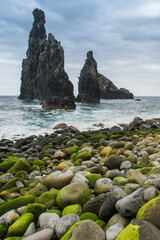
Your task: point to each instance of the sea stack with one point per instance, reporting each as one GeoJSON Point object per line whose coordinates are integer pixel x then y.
{"type": "Point", "coordinates": [111, 91]}
{"type": "Point", "coordinates": [43, 76]}
{"type": "Point", "coordinates": [88, 87]}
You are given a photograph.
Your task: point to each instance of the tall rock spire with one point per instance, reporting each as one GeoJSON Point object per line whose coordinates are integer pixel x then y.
{"type": "Point", "coordinates": [89, 91]}
{"type": "Point", "coordinates": [43, 76]}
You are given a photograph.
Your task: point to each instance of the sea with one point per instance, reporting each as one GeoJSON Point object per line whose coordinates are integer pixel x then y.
{"type": "Point", "coordinates": [22, 118]}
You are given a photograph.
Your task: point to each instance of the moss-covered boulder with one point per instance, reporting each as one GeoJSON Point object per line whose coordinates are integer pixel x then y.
{"type": "Point", "coordinates": [19, 226]}
{"type": "Point", "coordinates": [150, 170]}
{"type": "Point", "coordinates": [19, 165]}
{"type": "Point", "coordinates": [86, 229]}
{"type": "Point", "coordinates": [113, 162]}
{"type": "Point", "coordinates": [75, 208]}
{"type": "Point", "coordinates": [84, 156]}
{"type": "Point", "coordinates": [150, 212]}
{"type": "Point", "coordinates": [14, 238]}
{"type": "Point", "coordinates": [40, 163]}
{"type": "Point", "coordinates": [58, 179]}
{"type": "Point", "coordinates": [73, 149]}
{"type": "Point", "coordinates": [23, 174]}
{"type": "Point", "coordinates": [8, 163]}
{"type": "Point", "coordinates": [37, 190]}
{"type": "Point", "coordinates": [139, 230]}
{"type": "Point", "coordinates": [89, 216]}
{"type": "Point", "coordinates": [74, 193]}
{"type": "Point", "coordinates": [3, 230]}
{"type": "Point", "coordinates": [16, 203]}
{"type": "Point", "coordinates": [93, 178]}
{"type": "Point", "coordinates": [55, 210]}
{"type": "Point", "coordinates": [35, 208]}
{"type": "Point", "coordinates": [78, 162]}
{"type": "Point", "coordinates": [11, 183]}
{"type": "Point", "coordinates": [117, 218]}
{"type": "Point", "coordinates": [119, 181]}
{"type": "Point", "coordinates": [48, 198]}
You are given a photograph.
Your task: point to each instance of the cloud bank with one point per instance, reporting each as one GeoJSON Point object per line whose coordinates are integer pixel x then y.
{"type": "Point", "coordinates": [124, 36]}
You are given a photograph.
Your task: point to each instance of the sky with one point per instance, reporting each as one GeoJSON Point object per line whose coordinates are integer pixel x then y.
{"type": "Point", "coordinates": [124, 36]}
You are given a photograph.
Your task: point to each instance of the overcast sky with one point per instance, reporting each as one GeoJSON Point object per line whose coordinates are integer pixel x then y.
{"type": "Point", "coordinates": [124, 36]}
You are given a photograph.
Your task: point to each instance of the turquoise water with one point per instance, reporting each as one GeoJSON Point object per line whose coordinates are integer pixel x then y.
{"type": "Point", "coordinates": [23, 118]}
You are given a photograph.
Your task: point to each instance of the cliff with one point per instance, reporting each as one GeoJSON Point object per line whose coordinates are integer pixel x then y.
{"type": "Point", "coordinates": [110, 91]}
{"type": "Point", "coordinates": [43, 76]}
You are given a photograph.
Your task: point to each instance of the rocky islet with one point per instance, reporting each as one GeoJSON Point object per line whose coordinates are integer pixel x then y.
{"type": "Point", "coordinates": [44, 78]}
{"type": "Point", "coordinates": [63, 185]}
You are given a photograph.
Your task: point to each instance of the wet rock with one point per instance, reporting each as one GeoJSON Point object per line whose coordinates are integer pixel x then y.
{"type": "Point", "coordinates": [95, 204]}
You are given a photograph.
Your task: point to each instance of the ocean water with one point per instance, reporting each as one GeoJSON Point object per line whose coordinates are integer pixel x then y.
{"type": "Point", "coordinates": [19, 118]}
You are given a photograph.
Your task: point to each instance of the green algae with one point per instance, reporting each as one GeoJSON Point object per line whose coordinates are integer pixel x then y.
{"type": "Point", "coordinates": [3, 230]}
{"type": "Point", "coordinates": [19, 165]}
{"type": "Point", "coordinates": [35, 208]}
{"type": "Point", "coordinates": [8, 163]}
{"type": "Point", "coordinates": [73, 149]}
{"type": "Point", "coordinates": [84, 156]}
{"type": "Point", "coordinates": [11, 183]}
{"type": "Point", "coordinates": [48, 198]}
{"type": "Point", "coordinates": [93, 178]}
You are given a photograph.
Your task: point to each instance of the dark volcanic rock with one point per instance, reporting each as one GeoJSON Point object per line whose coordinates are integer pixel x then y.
{"type": "Point", "coordinates": [89, 91]}
{"type": "Point", "coordinates": [43, 75]}
{"type": "Point", "coordinates": [59, 103]}
{"type": "Point", "coordinates": [110, 91]}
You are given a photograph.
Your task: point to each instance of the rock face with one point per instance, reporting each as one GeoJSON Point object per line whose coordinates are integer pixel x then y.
{"type": "Point", "coordinates": [43, 75]}
{"type": "Point", "coordinates": [89, 91]}
{"type": "Point", "coordinates": [110, 91]}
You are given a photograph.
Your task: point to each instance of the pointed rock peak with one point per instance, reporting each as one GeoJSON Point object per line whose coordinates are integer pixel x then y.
{"type": "Point", "coordinates": [39, 16]}
{"type": "Point", "coordinates": [90, 54]}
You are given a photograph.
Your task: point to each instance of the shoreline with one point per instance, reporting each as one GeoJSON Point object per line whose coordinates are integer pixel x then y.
{"type": "Point", "coordinates": [101, 179]}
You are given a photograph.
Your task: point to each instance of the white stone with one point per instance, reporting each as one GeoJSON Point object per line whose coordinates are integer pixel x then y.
{"type": "Point", "coordinates": [48, 220]}
{"type": "Point", "coordinates": [113, 231]}
{"type": "Point", "coordinates": [45, 234]}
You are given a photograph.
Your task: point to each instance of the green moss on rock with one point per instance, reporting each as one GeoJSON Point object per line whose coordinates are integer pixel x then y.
{"type": "Point", "coordinates": [20, 165]}
{"type": "Point", "coordinates": [73, 149]}
{"type": "Point", "coordinates": [119, 181]}
{"type": "Point", "coordinates": [93, 178]}
{"type": "Point", "coordinates": [22, 173]}
{"type": "Point", "coordinates": [78, 162]}
{"type": "Point", "coordinates": [75, 208]}
{"type": "Point", "coordinates": [48, 198]}
{"type": "Point", "coordinates": [11, 183]}
{"type": "Point", "coordinates": [150, 212]}
{"type": "Point", "coordinates": [84, 156]}
{"type": "Point", "coordinates": [37, 190]}
{"type": "Point", "coordinates": [150, 170]}
{"type": "Point", "coordinates": [35, 208]}
{"type": "Point", "coordinates": [101, 223]}
{"type": "Point", "coordinates": [16, 203]}
{"type": "Point", "coordinates": [89, 216]}
{"type": "Point", "coordinates": [8, 163]}
{"type": "Point", "coordinates": [40, 163]}
{"type": "Point", "coordinates": [3, 230]}
{"type": "Point", "coordinates": [74, 193]}
{"type": "Point", "coordinates": [55, 210]}
{"type": "Point", "coordinates": [131, 232]}
{"type": "Point", "coordinates": [20, 225]}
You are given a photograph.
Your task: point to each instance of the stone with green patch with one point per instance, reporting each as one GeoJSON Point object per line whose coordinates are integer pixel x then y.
{"type": "Point", "coordinates": [48, 198]}
{"type": "Point", "coordinates": [35, 208]}
{"type": "Point", "coordinates": [93, 178]}
{"type": "Point", "coordinates": [75, 208]}
{"type": "Point", "coordinates": [20, 225]}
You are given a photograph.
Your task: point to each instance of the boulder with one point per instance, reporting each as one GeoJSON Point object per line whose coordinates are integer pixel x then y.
{"type": "Point", "coordinates": [129, 205]}
{"type": "Point", "coordinates": [108, 209]}
{"type": "Point", "coordinates": [140, 230]}
{"type": "Point", "coordinates": [20, 225]}
{"type": "Point", "coordinates": [86, 229]}
{"type": "Point", "coordinates": [74, 193]}
{"type": "Point", "coordinates": [46, 234]}
{"type": "Point", "coordinates": [48, 220]}
{"type": "Point", "coordinates": [150, 212]}
{"type": "Point", "coordinates": [65, 223]}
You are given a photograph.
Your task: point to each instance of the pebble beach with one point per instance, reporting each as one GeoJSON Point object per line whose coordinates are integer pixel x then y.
{"type": "Point", "coordinates": [102, 184]}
